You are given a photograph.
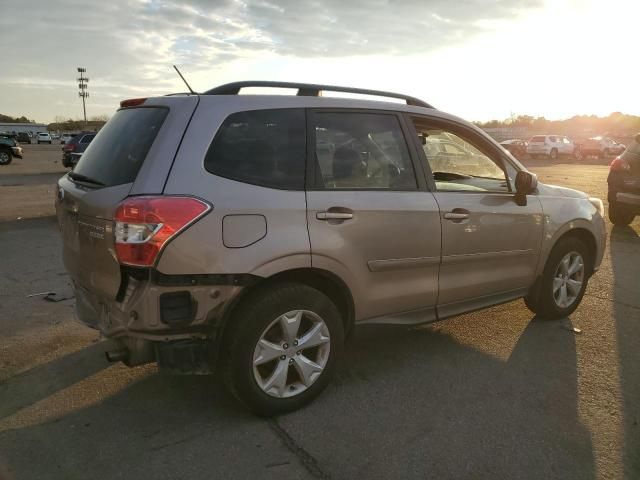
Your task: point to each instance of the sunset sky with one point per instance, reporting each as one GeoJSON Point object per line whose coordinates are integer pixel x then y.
{"type": "Point", "coordinates": [477, 59]}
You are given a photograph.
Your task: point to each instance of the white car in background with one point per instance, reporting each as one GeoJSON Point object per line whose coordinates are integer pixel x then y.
{"type": "Point", "coordinates": [552, 146]}
{"type": "Point", "coordinates": [43, 137]}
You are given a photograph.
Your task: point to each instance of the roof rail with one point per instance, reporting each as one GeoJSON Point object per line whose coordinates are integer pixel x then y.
{"type": "Point", "coordinates": [311, 90]}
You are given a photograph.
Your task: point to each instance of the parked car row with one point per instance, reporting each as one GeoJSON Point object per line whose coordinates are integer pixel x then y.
{"type": "Point", "coordinates": [554, 146]}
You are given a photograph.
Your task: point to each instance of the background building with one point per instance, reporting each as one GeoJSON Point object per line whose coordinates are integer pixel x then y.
{"type": "Point", "coordinates": [32, 128]}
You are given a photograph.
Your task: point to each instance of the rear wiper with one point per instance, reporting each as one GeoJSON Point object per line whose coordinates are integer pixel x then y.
{"type": "Point", "coordinates": [83, 178]}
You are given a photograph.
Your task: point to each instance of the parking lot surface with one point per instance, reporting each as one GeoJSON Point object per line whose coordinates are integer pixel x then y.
{"type": "Point", "coordinates": [490, 395]}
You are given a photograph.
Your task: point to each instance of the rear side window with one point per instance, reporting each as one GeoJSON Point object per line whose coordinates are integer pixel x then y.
{"type": "Point", "coordinates": [537, 139]}
{"type": "Point", "coordinates": [361, 151]}
{"type": "Point", "coordinates": [261, 147]}
{"type": "Point", "coordinates": [87, 139]}
{"type": "Point", "coordinates": [116, 154]}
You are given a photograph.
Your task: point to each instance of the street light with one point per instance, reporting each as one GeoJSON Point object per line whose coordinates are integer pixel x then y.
{"type": "Point", "coordinates": [83, 90]}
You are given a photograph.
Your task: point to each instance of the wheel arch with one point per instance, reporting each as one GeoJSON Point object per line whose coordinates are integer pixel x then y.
{"type": "Point", "coordinates": [587, 237]}
{"type": "Point", "coordinates": [323, 280]}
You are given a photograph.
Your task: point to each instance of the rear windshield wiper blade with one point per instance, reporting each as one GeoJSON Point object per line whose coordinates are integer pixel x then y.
{"type": "Point", "coordinates": [83, 178]}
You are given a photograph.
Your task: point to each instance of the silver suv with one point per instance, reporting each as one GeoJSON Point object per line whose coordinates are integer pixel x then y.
{"type": "Point", "coordinates": [253, 232]}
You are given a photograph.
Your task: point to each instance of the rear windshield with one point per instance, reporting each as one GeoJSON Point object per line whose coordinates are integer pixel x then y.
{"type": "Point", "coordinates": [539, 139]}
{"type": "Point", "coordinates": [116, 154]}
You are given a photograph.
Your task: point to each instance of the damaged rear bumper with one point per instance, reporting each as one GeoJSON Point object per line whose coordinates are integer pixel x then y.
{"type": "Point", "coordinates": [158, 318]}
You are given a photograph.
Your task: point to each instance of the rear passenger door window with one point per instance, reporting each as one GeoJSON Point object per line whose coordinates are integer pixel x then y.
{"type": "Point", "coordinates": [360, 151]}
{"type": "Point", "coordinates": [261, 147]}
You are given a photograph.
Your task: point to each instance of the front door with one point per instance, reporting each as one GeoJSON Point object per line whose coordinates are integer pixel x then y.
{"type": "Point", "coordinates": [490, 244]}
{"type": "Point", "coordinates": [371, 218]}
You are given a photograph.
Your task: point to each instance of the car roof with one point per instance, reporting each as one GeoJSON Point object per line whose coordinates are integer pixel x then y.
{"type": "Point", "coordinates": [245, 102]}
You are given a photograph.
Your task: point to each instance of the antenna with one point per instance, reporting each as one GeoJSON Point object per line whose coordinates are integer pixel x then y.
{"type": "Point", "coordinates": [185, 82]}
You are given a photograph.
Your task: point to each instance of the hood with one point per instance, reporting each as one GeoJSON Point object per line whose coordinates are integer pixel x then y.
{"type": "Point", "coordinates": [556, 191]}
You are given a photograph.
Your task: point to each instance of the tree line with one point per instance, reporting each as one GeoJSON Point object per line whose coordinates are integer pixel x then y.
{"type": "Point", "coordinates": [616, 123]}
{"type": "Point", "coordinates": [9, 119]}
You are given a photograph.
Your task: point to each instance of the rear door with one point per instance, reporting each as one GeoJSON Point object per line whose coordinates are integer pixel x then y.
{"type": "Point", "coordinates": [371, 219]}
{"type": "Point", "coordinates": [132, 142]}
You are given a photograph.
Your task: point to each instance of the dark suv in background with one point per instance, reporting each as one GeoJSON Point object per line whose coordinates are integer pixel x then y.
{"type": "Point", "coordinates": [9, 148]}
{"type": "Point", "coordinates": [624, 185]}
{"type": "Point", "coordinates": [72, 150]}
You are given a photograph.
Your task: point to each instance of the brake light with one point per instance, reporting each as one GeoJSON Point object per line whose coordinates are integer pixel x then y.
{"type": "Point", "coordinates": [132, 102]}
{"type": "Point", "coordinates": [144, 225]}
{"type": "Point", "coordinates": [618, 164]}
{"type": "Point", "coordinates": [69, 147]}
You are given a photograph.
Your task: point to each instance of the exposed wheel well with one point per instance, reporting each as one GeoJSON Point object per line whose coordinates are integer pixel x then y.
{"type": "Point", "coordinates": [326, 282]}
{"type": "Point", "coordinates": [589, 240]}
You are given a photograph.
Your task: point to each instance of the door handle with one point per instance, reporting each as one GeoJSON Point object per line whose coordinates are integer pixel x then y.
{"type": "Point", "coordinates": [457, 214]}
{"type": "Point", "coordinates": [334, 216]}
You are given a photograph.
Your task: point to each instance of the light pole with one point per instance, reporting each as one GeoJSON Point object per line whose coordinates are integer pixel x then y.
{"type": "Point", "coordinates": [83, 90]}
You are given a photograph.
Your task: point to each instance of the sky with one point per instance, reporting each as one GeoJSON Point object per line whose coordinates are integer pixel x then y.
{"type": "Point", "coordinates": [479, 59]}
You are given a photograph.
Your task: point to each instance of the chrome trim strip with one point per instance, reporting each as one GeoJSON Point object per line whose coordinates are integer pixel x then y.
{"type": "Point", "coordinates": [471, 257]}
{"type": "Point", "coordinates": [401, 263]}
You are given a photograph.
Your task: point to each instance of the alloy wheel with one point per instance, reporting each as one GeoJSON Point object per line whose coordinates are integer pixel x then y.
{"type": "Point", "coordinates": [568, 279]}
{"type": "Point", "coordinates": [291, 353]}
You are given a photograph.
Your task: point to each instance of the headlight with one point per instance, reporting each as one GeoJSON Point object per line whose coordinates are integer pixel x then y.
{"type": "Point", "coordinates": [596, 202]}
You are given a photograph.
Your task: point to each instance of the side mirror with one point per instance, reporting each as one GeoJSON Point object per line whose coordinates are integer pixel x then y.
{"type": "Point", "coordinates": [526, 183]}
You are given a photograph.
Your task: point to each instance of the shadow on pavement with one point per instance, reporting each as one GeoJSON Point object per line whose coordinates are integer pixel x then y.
{"type": "Point", "coordinates": [407, 403]}
{"type": "Point", "coordinates": [29, 387]}
{"type": "Point", "coordinates": [625, 260]}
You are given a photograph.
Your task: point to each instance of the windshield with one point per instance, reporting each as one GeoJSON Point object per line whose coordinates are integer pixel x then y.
{"type": "Point", "coordinates": [118, 151]}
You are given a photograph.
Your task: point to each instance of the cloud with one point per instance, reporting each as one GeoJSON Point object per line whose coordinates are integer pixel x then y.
{"type": "Point", "coordinates": [130, 45]}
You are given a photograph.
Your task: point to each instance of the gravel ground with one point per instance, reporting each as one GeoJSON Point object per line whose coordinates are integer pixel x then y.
{"type": "Point", "coordinates": [495, 394]}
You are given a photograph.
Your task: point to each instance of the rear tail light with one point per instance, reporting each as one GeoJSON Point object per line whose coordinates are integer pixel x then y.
{"type": "Point", "coordinates": [618, 164]}
{"type": "Point", "coordinates": [144, 225]}
{"type": "Point", "coordinates": [69, 147]}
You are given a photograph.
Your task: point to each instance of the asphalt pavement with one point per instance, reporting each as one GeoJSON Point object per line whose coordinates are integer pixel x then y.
{"type": "Point", "coordinates": [496, 394]}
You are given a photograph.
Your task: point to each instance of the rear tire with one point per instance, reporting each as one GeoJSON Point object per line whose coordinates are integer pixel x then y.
{"type": "Point", "coordinates": [546, 297]}
{"type": "Point", "coordinates": [247, 373]}
{"type": "Point", "coordinates": [620, 215]}
{"type": "Point", "coordinates": [5, 156]}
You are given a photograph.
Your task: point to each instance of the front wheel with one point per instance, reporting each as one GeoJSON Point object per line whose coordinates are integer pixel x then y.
{"type": "Point", "coordinates": [561, 287]}
{"type": "Point", "coordinates": [282, 348]}
{"type": "Point", "coordinates": [5, 157]}
{"type": "Point", "coordinates": [620, 215]}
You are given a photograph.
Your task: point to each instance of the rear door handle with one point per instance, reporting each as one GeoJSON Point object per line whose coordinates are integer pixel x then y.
{"type": "Point", "coordinates": [334, 216]}
{"type": "Point", "coordinates": [457, 214]}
